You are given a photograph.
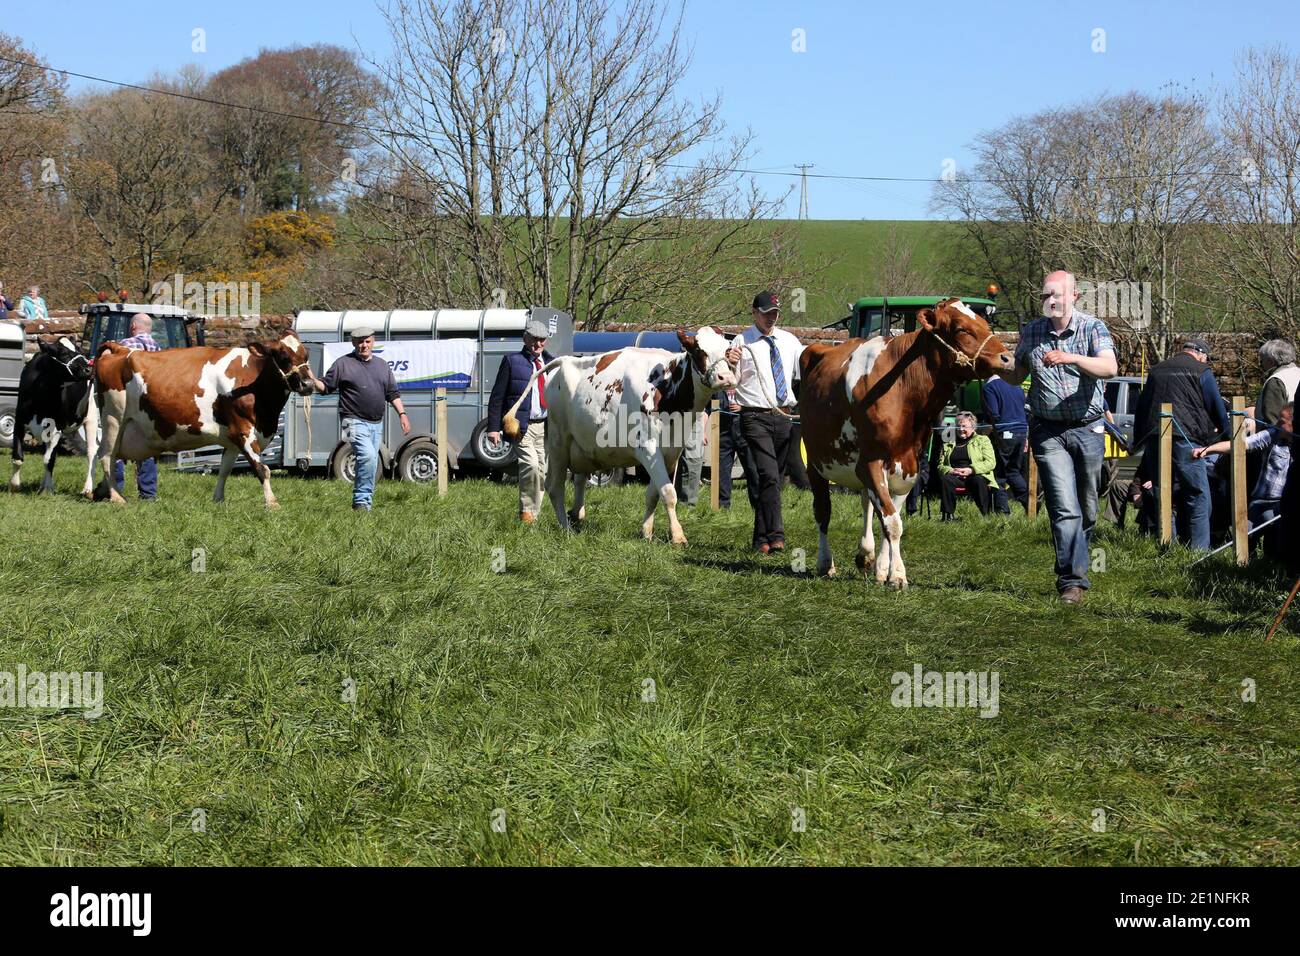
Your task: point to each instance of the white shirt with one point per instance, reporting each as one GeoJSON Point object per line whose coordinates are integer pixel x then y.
{"type": "Point", "coordinates": [757, 388]}
{"type": "Point", "coordinates": [539, 383]}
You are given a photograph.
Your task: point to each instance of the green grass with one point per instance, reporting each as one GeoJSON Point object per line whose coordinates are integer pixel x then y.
{"type": "Point", "coordinates": [523, 690]}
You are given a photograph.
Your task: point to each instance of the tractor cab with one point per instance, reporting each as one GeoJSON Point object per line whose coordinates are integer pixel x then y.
{"type": "Point", "coordinates": [173, 327]}
{"type": "Point", "coordinates": [896, 315]}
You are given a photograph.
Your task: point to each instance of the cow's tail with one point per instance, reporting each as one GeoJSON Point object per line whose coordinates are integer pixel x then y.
{"type": "Point", "coordinates": [510, 424]}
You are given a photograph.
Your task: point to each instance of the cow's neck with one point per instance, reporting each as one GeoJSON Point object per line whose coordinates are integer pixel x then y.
{"type": "Point", "coordinates": [678, 393]}
{"type": "Point", "coordinates": [270, 392]}
{"type": "Point", "coordinates": [928, 372]}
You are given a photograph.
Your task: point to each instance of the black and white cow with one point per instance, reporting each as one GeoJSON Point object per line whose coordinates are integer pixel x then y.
{"type": "Point", "coordinates": [54, 397]}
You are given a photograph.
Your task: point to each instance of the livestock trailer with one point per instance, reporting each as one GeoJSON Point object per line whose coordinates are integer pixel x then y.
{"type": "Point", "coordinates": [11, 369]}
{"type": "Point", "coordinates": [459, 349]}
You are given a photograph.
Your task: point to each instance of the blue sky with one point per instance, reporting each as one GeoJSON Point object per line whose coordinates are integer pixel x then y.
{"type": "Point", "coordinates": [883, 88]}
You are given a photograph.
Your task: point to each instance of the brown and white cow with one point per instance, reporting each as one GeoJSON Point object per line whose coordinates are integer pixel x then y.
{"type": "Point", "coordinates": [867, 405]}
{"type": "Point", "coordinates": [631, 407]}
{"type": "Point", "coordinates": [180, 399]}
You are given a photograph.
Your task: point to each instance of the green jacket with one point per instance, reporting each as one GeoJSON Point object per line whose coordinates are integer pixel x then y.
{"type": "Point", "coordinates": [981, 456]}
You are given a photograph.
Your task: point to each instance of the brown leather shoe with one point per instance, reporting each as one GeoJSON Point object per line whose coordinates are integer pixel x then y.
{"type": "Point", "coordinates": [776, 546]}
{"type": "Point", "coordinates": [1072, 596]}
{"type": "Point", "coordinates": [527, 517]}
{"type": "Point", "coordinates": [762, 548]}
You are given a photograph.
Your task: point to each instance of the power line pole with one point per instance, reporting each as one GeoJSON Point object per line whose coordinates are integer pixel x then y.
{"type": "Point", "coordinates": [803, 187]}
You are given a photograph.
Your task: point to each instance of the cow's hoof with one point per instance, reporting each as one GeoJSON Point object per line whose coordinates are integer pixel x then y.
{"type": "Point", "coordinates": [826, 572]}
{"type": "Point", "coordinates": [114, 497]}
{"type": "Point", "coordinates": [273, 504]}
{"type": "Point", "coordinates": [898, 584]}
{"type": "Point", "coordinates": [680, 542]}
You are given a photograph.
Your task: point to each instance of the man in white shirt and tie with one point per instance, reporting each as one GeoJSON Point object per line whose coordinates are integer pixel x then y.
{"type": "Point", "coordinates": [767, 365]}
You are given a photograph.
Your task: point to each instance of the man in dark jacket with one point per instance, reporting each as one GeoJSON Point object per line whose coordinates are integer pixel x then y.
{"type": "Point", "coordinates": [512, 380]}
{"type": "Point", "coordinates": [1004, 409]}
{"type": "Point", "coordinates": [1187, 383]}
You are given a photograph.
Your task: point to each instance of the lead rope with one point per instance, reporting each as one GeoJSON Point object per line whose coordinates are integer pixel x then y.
{"type": "Point", "coordinates": [962, 357]}
{"type": "Point", "coordinates": [306, 401]}
{"type": "Point", "coordinates": [306, 418]}
{"type": "Point", "coordinates": [753, 358]}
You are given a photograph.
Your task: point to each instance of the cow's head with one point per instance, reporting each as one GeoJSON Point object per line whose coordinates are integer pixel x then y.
{"type": "Point", "coordinates": [707, 349]}
{"type": "Point", "coordinates": [966, 340]}
{"type": "Point", "coordinates": [72, 365]}
{"type": "Point", "coordinates": [287, 356]}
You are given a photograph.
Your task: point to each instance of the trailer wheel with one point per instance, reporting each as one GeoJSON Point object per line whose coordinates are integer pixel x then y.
{"type": "Point", "coordinates": [488, 454]}
{"type": "Point", "coordinates": [418, 461]}
{"type": "Point", "coordinates": [343, 464]}
{"type": "Point", "coordinates": [8, 422]}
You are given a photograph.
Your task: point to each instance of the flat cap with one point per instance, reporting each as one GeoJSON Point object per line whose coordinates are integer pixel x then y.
{"type": "Point", "coordinates": [1200, 345]}
{"type": "Point", "coordinates": [538, 327]}
{"type": "Point", "coordinates": [362, 332]}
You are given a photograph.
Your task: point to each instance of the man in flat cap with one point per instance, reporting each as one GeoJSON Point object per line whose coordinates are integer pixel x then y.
{"type": "Point", "coordinates": [1187, 382]}
{"type": "Point", "coordinates": [512, 380]}
{"type": "Point", "coordinates": [365, 385]}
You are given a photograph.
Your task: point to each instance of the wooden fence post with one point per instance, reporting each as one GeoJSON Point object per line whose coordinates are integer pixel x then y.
{"type": "Point", "coordinates": [1165, 478]}
{"type": "Point", "coordinates": [440, 416]}
{"type": "Point", "coordinates": [1240, 523]}
{"type": "Point", "coordinates": [715, 454]}
{"type": "Point", "coordinates": [1031, 502]}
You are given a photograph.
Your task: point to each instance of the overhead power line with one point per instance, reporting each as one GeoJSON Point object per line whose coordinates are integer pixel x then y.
{"type": "Point", "coordinates": [802, 174]}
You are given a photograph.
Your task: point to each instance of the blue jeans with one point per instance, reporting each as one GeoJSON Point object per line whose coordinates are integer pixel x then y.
{"type": "Point", "coordinates": [1191, 496]}
{"type": "Point", "coordinates": [1191, 505]}
{"type": "Point", "coordinates": [146, 477]}
{"type": "Point", "coordinates": [364, 437]}
{"type": "Point", "coordinates": [1069, 464]}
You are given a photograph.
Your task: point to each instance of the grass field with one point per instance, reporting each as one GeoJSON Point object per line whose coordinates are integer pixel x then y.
{"type": "Point", "coordinates": [522, 691]}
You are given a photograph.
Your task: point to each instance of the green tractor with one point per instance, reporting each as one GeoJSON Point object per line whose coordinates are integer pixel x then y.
{"type": "Point", "coordinates": [896, 315]}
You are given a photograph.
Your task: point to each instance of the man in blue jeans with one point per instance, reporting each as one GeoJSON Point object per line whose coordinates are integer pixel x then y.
{"type": "Point", "coordinates": [1069, 355]}
{"type": "Point", "coordinates": [146, 472]}
{"type": "Point", "coordinates": [1186, 382]}
{"type": "Point", "coordinates": [365, 385]}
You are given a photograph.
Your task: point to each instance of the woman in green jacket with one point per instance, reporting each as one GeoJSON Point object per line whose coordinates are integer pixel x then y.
{"type": "Point", "coordinates": [968, 464]}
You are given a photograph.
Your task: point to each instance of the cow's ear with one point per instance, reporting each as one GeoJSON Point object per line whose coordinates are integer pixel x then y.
{"type": "Point", "coordinates": [257, 348]}
{"type": "Point", "coordinates": [688, 341]}
{"type": "Point", "coordinates": [926, 319]}
{"type": "Point", "coordinates": [46, 347]}
{"type": "Point", "coordinates": [718, 329]}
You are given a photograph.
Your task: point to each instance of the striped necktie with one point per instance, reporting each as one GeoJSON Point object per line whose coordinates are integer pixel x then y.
{"type": "Point", "coordinates": [778, 370]}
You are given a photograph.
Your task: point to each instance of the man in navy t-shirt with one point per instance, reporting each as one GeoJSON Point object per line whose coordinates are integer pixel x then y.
{"type": "Point", "coordinates": [1004, 409]}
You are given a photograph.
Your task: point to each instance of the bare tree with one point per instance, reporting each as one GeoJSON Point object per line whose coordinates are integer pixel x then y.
{"type": "Point", "coordinates": [1140, 179]}
{"type": "Point", "coordinates": [36, 243]}
{"type": "Point", "coordinates": [143, 192]}
{"type": "Point", "coordinates": [1255, 251]}
{"type": "Point", "coordinates": [545, 147]}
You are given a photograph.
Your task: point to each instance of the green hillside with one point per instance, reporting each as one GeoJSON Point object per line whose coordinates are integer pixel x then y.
{"type": "Point", "coordinates": [856, 252]}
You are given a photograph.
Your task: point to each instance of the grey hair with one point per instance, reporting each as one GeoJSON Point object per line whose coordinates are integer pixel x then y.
{"type": "Point", "coordinates": [1275, 353]}
{"type": "Point", "coordinates": [966, 416]}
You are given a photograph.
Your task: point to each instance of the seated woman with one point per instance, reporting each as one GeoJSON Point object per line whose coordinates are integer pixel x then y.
{"type": "Point", "coordinates": [1266, 497]}
{"type": "Point", "coordinates": [967, 463]}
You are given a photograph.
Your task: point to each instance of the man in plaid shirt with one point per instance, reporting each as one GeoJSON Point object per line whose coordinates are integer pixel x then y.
{"type": "Point", "coordinates": [1069, 355]}
{"type": "Point", "coordinates": [146, 472]}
